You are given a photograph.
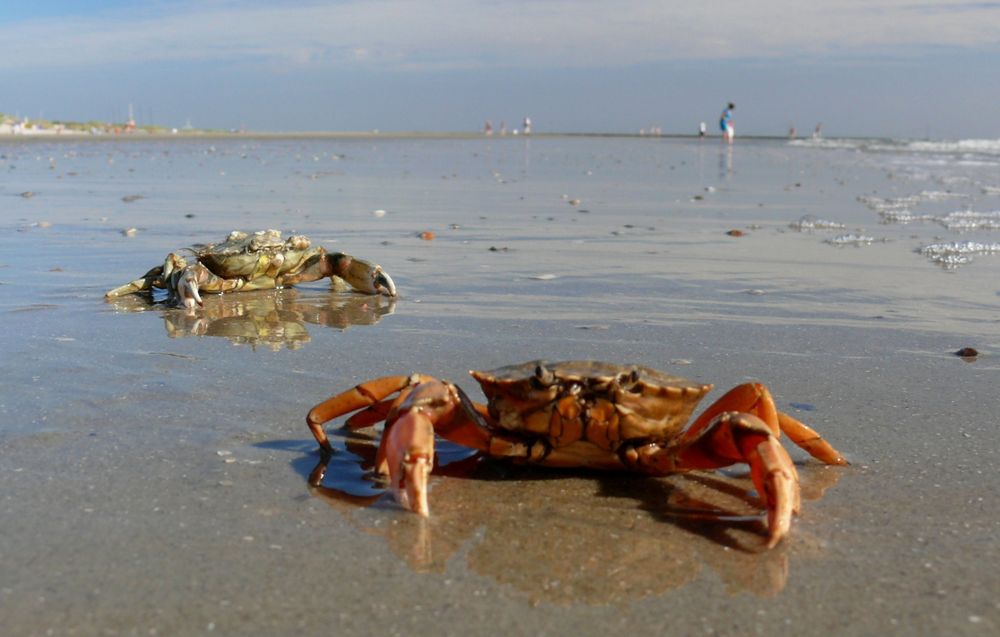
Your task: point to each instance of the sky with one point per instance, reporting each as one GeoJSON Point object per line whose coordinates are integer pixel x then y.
{"type": "Point", "coordinates": [882, 68]}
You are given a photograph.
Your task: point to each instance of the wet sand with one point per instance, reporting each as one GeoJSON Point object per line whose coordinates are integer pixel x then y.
{"type": "Point", "coordinates": [158, 477]}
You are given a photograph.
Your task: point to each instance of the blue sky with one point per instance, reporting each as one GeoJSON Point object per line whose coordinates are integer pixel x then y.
{"type": "Point", "coordinates": [900, 68]}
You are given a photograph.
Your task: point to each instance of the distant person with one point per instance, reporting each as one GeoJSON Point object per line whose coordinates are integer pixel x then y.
{"type": "Point", "coordinates": [702, 130]}
{"type": "Point", "coordinates": [526, 129]}
{"type": "Point", "coordinates": [819, 131]}
{"type": "Point", "coordinates": [488, 128]}
{"type": "Point", "coordinates": [726, 123]}
{"type": "Point", "coordinates": [791, 133]}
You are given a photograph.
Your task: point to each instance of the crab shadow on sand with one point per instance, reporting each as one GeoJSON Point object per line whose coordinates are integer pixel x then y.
{"type": "Point", "coordinates": [565, 536]}
{"type": "Point", "coordinates": [267, 318]}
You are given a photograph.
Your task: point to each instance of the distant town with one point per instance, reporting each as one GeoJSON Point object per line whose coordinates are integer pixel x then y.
{"type": "Point", "coordinates": [15, 125]}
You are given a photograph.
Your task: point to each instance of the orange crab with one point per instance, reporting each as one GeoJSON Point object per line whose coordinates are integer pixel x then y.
{"type": "Point", "coordinates": [580, 414]}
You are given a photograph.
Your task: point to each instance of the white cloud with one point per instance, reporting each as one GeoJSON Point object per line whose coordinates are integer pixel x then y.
{"type": "Point", "coordinates": [424, 34]}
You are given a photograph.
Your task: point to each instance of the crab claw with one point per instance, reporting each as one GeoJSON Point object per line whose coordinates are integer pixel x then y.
{"type": "Point", "coordinates": [733, 437]}
{"type": "Point", "coordinates": [774, 476]}
{"type": "Point", "coordinates": [383, 282]}
{"type": "Point", "coordinates": [186, 289]}
{"type": "Point", "coordinates": [364, 276]}
{"type": "Point", "coordinates": [771, 468]}
{"type": "Point", "coordinates": [409, 454]}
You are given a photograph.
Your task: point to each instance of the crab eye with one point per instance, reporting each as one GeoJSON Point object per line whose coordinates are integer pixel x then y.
{"type": "Point", "coordinates": [628, 378]}
{"type": "Point", "coordinates": [544, 376]}
{"type": "Point", "coordinates": [630, 382]}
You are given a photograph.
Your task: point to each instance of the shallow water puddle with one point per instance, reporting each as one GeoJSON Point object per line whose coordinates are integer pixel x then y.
{"type": "Point", "coordinates": [569, 537]}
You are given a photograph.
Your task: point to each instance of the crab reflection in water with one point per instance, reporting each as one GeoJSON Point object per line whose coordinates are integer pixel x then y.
{"type": "Point", "coordinates": [571, 536]}
{"type": "Point", "coordinates": [269, 318]}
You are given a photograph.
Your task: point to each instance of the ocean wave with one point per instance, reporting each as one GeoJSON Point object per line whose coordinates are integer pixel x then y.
{"type": "Point", "coordinates": [963, 147]}
{"type": "Point", "coordinates": [976, 146]}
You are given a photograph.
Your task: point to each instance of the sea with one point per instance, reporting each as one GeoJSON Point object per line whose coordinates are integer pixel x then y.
{"type": "Point", "coordinates": [159, 478]}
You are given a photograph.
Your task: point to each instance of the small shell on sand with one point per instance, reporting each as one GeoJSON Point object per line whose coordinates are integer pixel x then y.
{"type": "Point", "coordinates": [129, 232]}
{"type": "Point", "coordinates": [426, 235]}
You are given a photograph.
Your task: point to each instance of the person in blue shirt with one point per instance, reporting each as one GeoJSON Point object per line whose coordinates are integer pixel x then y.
{"type": "Point", "coordinates": [726, 123]}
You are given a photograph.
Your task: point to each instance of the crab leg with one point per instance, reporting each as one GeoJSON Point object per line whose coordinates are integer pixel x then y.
{"type": "Point", "coordinates": [807, 438]}
{"type": "Point", "coordinates": [360, 274]}
{"type": "Point", "coordinates": [363, 395]}
{"type": "Point", "coordinates": [147, 281]}
{"type": "Point", "coordinates": [375, 413]}
{"type": "Point", "coordinates": [754, 398]}
{"type": "Point", "coordinates": [157, 277]}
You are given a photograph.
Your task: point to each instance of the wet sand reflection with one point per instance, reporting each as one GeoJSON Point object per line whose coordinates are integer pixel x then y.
{"type": "Point", "coordinates": [268, 318]}
{"type": "Point", "coordinates": [569, 537]}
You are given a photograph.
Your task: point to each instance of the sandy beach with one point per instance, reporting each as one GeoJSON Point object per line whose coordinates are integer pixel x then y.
{"type": "Point", "coordinates": [156, 465]}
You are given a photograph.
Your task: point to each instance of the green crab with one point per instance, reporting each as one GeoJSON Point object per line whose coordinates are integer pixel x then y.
{"type": "Point", "coordinates": [259, 261]}
{"type": "Point", "coordinates": [580, 414]}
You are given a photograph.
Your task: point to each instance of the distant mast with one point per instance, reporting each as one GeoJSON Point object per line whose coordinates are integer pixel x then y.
{"type": "Point", "coordinates": [130, 124]}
